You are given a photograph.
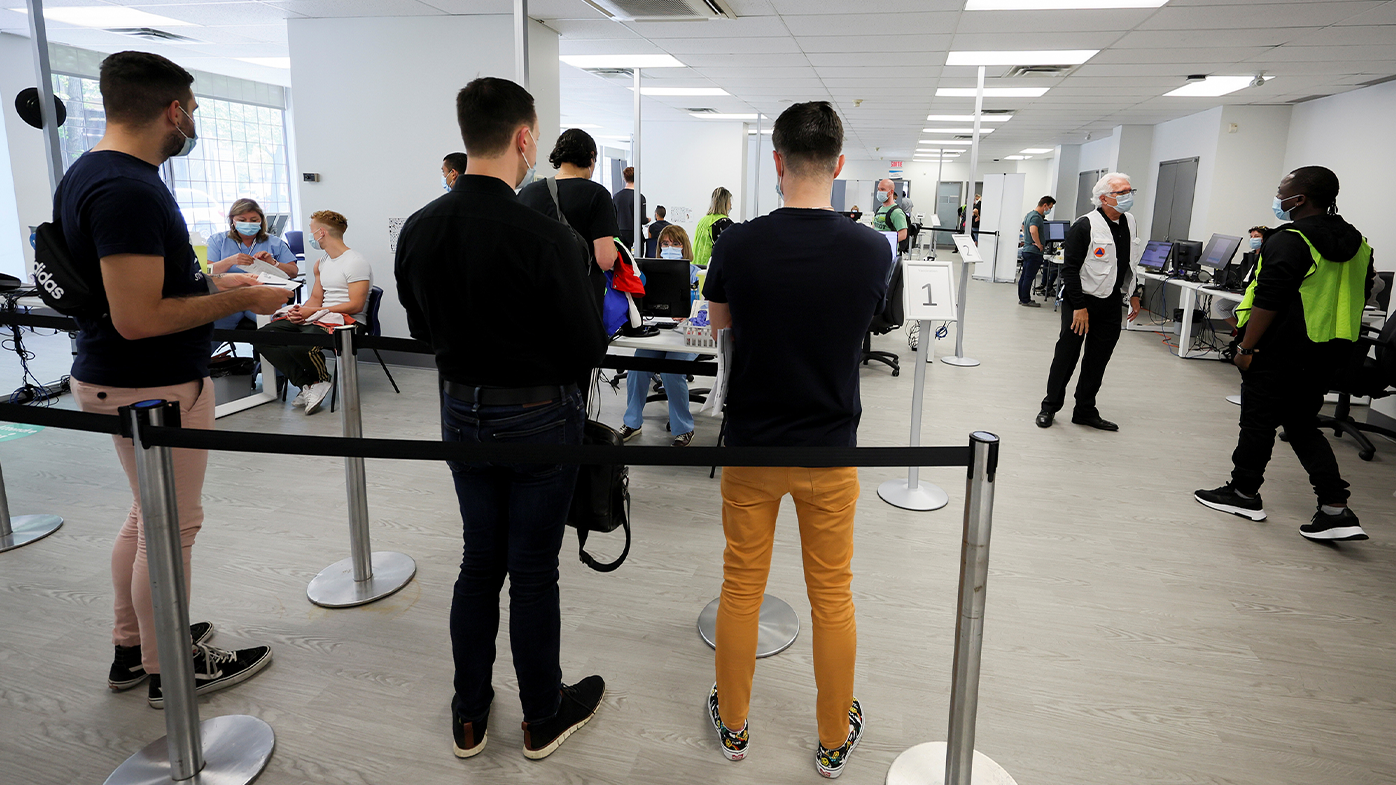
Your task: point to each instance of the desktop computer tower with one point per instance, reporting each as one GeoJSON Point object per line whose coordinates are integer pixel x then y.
{"type": "Point", "coordinates": [1187, 256]}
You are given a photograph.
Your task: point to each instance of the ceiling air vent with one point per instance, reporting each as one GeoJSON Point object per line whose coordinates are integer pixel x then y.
{"type": "Point", "coordinates": [1018, 71]}
{"type": "Point", "coordinates": [701, 110]}
{"type": "Point", "coordinates": [611, 73]}
{"type": "Point", "coordinates": [151, 34]}
{"type": "Point", "coordinates": [996, 111]}
{"type": "Point", "coordinates": [663, 10]}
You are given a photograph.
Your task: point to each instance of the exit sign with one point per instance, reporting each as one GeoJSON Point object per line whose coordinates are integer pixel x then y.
{"type": "Point", "coordinates": [896, 164]}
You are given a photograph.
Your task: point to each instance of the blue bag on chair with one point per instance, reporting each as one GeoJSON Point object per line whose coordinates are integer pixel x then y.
{"type": "Point", "coordinates": [615, 309]}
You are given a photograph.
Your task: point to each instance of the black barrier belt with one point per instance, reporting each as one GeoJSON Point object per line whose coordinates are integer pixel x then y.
{"type": "Point", "coordinates": [421, 450]}
{"type": "Point", "coordinates": [406, 345]}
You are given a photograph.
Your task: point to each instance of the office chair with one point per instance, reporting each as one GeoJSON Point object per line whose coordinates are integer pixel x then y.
{"type": "Point", "coordinates": [296, 242]}
{"type": "Point", "coordinates": [373, 328]}
{"type": "Point", "coordinates": [891, 317]}
{"type": "Point", "coordinates": [1365, 376]}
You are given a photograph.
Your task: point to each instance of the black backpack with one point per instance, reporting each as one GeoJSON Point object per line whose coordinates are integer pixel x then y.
{"type": "Point", "coordinates": [902, 245]}
{"type": "Point", "coordinates": [601, 499]}
{"type": "Point", "coordinates": [719, 226]}
{"type": "Point", "coordinates": [63, 286]}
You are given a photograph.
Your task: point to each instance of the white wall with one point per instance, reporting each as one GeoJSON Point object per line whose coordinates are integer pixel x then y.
{"type": "Point", "coordinates": [1038, 182]}
{"type": "Point", "coordinates": [27, 184]}
{"type": "Point", "coordinates": [682, 162]}
{"type": "Point", "coordinates": [1098, 154]}
{"type": "Point", "coordinates": [380, 159]}
{"type": "Point", "coordinates": [1351, 134]}
{"type": "Point", "coordinates": [1250, 164]}
{"type": "Point", "coordinates": [1065, 171]}
{"type": "Point", "coordinates": [1186, 137]}
{"type": "Point", "coordinates": [758, 194]}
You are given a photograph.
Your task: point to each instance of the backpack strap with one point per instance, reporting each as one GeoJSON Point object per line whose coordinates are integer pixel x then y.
{"type": "Point", "coordinates": [552, 191]}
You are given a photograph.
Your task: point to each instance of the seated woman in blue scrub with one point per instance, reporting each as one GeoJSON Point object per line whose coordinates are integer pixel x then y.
{"type": "Point", "coordinates": [246, 241]}
{"type": "Point", "coordinates": [673, 244]}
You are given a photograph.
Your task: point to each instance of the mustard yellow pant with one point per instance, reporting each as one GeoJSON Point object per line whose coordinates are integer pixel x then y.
{"type": "Point", "coordinates": [825, 501]}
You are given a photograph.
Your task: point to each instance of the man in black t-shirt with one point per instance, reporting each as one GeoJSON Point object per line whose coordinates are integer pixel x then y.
{"type": "Point", "coordinates": [123, 228]}
{"type": "Point", "coordinates": [767, 275]}
{"type": "Point", "coordinates": [652, 232]}
{"type": "Point", "coordinates": [625, 209]}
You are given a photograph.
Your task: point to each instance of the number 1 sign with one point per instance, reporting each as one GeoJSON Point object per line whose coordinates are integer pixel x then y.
{"type": "Point", "coordinates": [928, 292]}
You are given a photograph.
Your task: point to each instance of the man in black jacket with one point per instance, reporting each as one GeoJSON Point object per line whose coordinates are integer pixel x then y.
{"type": "Point", "coordinates": [1301, 314]}
{"type": "Point", "coordinates": [462, 262]}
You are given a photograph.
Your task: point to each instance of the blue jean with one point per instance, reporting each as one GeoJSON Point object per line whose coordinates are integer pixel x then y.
{"type": "Point", "coordinates": [514, 517]}
{"type": "Point", "coordinates": [1031, 263]}
{"type": "Point", "coordinates": [637, 386]}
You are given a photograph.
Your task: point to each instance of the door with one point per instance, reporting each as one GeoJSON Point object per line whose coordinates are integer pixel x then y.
{"type": "Point", "coordinates": [1085, 182]}
{"type": "Point", "coordinates": [1173, 199]}
{"type": "Point", "coordinates": [948, 201]}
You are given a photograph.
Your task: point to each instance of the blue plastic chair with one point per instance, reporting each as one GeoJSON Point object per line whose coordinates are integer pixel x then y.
{"type": "Point", "coordinates": [296, 242]}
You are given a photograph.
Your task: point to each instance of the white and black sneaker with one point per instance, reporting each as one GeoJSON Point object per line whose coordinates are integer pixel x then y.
{"type": "Point", "coordinates": [126, 668]}
{"type": "Point", "coordinates": [1342, 527]}
{"type": "Point", "coordinates": [216, 669]}
{"type": "Point", "coordinates": [315, 395]}
{"type": "Point", "coordinates": [1227, 499]}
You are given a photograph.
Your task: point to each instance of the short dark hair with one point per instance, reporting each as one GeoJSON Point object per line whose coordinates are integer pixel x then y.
{"type": "Point", "coordinates": [456, 162]}
{"type": "Point", "coordinates": [1319, 183]}
{"type": "Point", "coordinates": [628, 173]}
{"type": "Point", "coordinates": [574, 146]}
{"type": "Point", "coordinates": [137, 86]}
{"type": "Point", "coordinates": [660, 212]}
{"type": "Point", "coordinates": [809, 136]}
{"type": "Point", "coordinates": [489, 110]}
{"type": "Point", "coordinates": [1046, 200]}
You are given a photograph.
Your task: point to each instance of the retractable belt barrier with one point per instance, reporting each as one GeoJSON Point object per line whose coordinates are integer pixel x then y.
{"type": "Point", "coordinates": [405, 345]}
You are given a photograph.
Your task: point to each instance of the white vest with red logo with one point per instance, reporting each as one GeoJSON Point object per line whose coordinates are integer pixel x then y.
{"type": "Point", "coordinates": [1100, 269]}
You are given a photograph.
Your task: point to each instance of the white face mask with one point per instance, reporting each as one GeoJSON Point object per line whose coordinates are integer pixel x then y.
{"type": "Point", "coordinates": [533, 167]}
{"type": "Point", "coordinates": [315, 246]}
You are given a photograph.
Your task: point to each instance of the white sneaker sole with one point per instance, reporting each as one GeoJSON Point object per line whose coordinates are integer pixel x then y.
{"type": "Point", "coordinates": [1337, 534]}
{"type": "Point", "coordinates": [551, 748]}
{"type": "Point", "coordinates": [1255, 515]}
{"type": "Point", "coordinates": [473, 751]}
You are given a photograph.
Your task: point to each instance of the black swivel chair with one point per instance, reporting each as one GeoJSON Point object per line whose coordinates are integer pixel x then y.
{"type": "Point", "coordinates": [1366, 376]}
{"type": "Point", "coordinates": [372, 327]}
{"type": "Point", "coordinates": [892, 316]}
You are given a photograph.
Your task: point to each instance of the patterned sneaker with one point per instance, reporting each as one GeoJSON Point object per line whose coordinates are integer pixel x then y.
{"type": "Point", "coordinates": [829, 763]}
{"type": "Point", "coordinates": [734, 744]}
{"type": "Point", "coordinates": [683, 439]}
{"type": "Point", "coordinates": [126, 668]}
{"type": "Point", "coordinates": [627, 433]}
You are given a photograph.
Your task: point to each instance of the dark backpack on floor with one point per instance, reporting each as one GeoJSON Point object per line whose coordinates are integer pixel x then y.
{"type": "Point", "coordinates": [601, 500]}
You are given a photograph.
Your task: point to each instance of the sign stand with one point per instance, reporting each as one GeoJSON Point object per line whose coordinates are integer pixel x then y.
{"type": "Point", "coordinates": [929, 297]}
{"type": "Point", "coordinates": [23, 529]}
{"type": "Point", "coordinates": [969, 254]}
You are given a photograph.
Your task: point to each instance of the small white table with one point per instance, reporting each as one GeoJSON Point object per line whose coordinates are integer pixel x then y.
{"type": "Point", "coordinates": [1189, 291]}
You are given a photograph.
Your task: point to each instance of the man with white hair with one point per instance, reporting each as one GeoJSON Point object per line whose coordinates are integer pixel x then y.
{"type": "Point", "coordinates": [1101, 249]}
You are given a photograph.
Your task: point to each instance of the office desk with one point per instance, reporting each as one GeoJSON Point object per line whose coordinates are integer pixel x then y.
{"type": "Point", "coordinates": [666, 341]}
{"type": "Point", "coordinates": [1187, 300]}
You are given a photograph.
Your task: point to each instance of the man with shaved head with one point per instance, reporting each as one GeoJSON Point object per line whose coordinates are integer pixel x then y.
{"type": "Point", "coordinates": [889, 216]}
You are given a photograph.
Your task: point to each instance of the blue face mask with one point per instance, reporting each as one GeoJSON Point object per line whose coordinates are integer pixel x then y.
{"type": "Point", "coordinates": [1278, 207]}
{"type": "Point", "coordinates": [1256, 242]}
{"type": "Point", "coordinates": [445, 185]}
{"type": "Point", "coordinates": [314, 245]}
{"type": "Point", "coordinates": [1123, 203]}
{"type": "Point", "coordinates": [189, 141]}
{"type": "Point", "coordinates": [670, 252]}
{"type": "Point", "coordinates": [247, 229]}
{"type": "Point", "coordinates": [882, 197]}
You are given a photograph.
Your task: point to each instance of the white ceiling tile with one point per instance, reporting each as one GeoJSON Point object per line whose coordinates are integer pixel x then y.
{"type": "Point", "coordinates": [266, 33]}
{"type": "Point", "coordinates": [874, 22]}
{"type": "Point", "coordinates": [746, 60]}
{"type": "Point", "coordinates": [681, 46]}
{"type": "Point", "coordinates": [876, 45]}
{"type": "Point", "coordinates": [1320, 54]}
{"type": "Point", "coordinates": [1188, 39]}
{"type": "Point", "coordinates": [749, 27]}
{"type": "Point", "coordinates": [1189, 58]}
{"type": "Point", "coordinates": [843, 8]}
{"type": "Point", "coordinates": [752, 7]}
{"type": "Point", "coordinates": [243, 13]}
{"type": "Point", "coordinates": [1385, 15]}
{"type": "Point", "coordinates": [331, 9]}
{"type": "Point", "coordinates": [1002, 22]}
{"type": "Point", "coordinates": [608, 46]}
{"type": "Point", "coordinates": [871, 73]}
{"type": "Point", "coordinates": [1370, 35]}
{"type": "Point", "coordinates": [839, 59]}
{"type": "Point", "coordinates": [573, 29]}
{"type": "Point", "coordinates": [977, 42]}
{"type": "Point", "coordinates": [1253, 15]}
{"type": "Point", "coordinates": [776, 72]}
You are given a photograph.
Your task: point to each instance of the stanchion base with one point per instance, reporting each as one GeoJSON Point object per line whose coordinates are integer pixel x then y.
{"type": "Point", "coordinates": [924, 764]}
{"type": "Point", "coordinates": [28, 528]}
{"type": "Point", "coordinates": [236, 750]}
{"type": "Point", "coordinates": [1236, 399]}
{"type": "Point", "coordinates": [923, 498]}
{"type": "Point", "coordinates": [335, 586]}
{"type": "Point", "coordinates": [963, 362]}
{"type": "Point", "coordinates": [779, 626]}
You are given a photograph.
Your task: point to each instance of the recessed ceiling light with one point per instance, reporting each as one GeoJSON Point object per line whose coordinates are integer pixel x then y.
{"type": "Point", "coordinates": [1015, 157]}
{"type": "Point", "coordinates": [968, 118]}
{"type": "Point", "coordinates": [752, 131]}
{"type": "Point", "coordinates": [1056, 5]}
{"type": "Point", "coordinates": [269, 62]}
{"type": "Point", "coordinates": [943, 143]}
{"type": "Point", "coordinates": [1214, 86]}
{"type": "Point", "coordinates": [726, 115]}
{"type": "Point", "coordinates": [982, 130]}
{"type": "Point", "coordinates": [1051, 57]}
{"type": "Point", "coordinates": [107, 16]}
{"type": "Point", "coordinates": [1036, 150]}
{"type": "Point", "coordinates": [621, 61]}
{"type": "Point", "coordinates": [681, 91]}
{"type": "Point", "coordinates": [991, 92]}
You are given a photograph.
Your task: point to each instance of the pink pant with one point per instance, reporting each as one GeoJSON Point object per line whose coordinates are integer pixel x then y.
{"type": "Point", "coordinates": [135, 618]}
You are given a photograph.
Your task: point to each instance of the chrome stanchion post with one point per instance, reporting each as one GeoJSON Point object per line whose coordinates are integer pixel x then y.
{"type": "Point", "coordinates": [364, 576]}
{"type": "Point", "coordinates": [237, 747]}
{"type": "Point", "coordinates": [911, 493]}
{"type": "Point", "coordinates": [22, 529]}
{"type": "Point", "coordinates": [955, 761]}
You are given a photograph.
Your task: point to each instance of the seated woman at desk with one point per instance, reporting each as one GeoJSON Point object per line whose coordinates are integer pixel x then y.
{"type": "Point", "coordinates": [343, 279]}
{"type": "Point", "coordinates": [673, 244]}
{"type": "Point", "coordinates": [245, 242]}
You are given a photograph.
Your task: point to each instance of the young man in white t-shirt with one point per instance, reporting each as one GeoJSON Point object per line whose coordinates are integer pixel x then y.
{"type": "Point", "coordinates": [343, 279]}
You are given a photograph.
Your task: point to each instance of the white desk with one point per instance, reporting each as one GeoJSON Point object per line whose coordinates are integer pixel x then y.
{"type": "Point", "coordinates": [1188, 293]}
{"type": "Point", "coordinates": [666, 341]}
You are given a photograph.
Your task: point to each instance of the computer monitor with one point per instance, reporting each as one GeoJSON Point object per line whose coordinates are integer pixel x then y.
{"type": "Point", "coordinates": [1056, 231]}
{"type": "Point", "coordinates": [668, 291]}
{"type": "Point", "coordinates": [1186, 253]}
{"type": "Point", "coordinates": [1219, 251]}
{"type": "Point", "coordinates": [1155, 256]}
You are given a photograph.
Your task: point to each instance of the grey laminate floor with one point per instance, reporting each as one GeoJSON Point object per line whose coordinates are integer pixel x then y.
{"type": "Point", "coordinates": [1132, 636]}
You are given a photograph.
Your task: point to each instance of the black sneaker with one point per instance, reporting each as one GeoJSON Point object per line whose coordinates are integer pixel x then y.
{"type": "Point", "coordinates": [126, 668]}
{"type": "Point", "coordinates": [1342, 527]}
{"type": "Point", "coordinates": [734, 743]}
{"type": "Point", "coordinates": [627, 433]}
{"type": "Point", "coordinates": [579, 705]}
{"type": "Point", "coordinates": [829, 763]}
{"type": "Point", "coordinates": [470, 737]}
{"type": "Point", "coordinates": [1227, 499]}
{"type": "Point", "coordinates": [216, 669]}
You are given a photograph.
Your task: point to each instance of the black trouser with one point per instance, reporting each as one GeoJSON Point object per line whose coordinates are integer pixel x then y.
{"type": "Point", "coordinates": [1289, 394]}
{"type": "Point", "coordinates": [303, 365]}
{"type": "Point", "coordinates": [1031, 261]}
{"type": "Point", "coordinates": [1102, 334]}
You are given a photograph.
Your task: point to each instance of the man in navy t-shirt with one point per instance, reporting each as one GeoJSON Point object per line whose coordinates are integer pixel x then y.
{"type": "Point", "coordinates": [802, 264]}
{"type": "Point", "coordinates": [123, 228]}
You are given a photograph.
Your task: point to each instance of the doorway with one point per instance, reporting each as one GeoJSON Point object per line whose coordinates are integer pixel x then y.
{"type": "Point", "coordinates": [948, 201]}
{"type": "Point", "coordinates": [1177, 181]}
{"type": "Point", "coordinates": [1085, 183]}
